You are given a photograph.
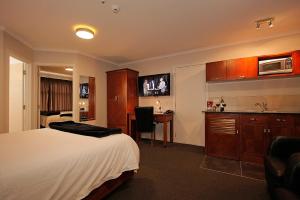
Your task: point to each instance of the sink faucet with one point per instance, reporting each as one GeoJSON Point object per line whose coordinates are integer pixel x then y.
{"type": "Point", "coordinates": [263, 106]}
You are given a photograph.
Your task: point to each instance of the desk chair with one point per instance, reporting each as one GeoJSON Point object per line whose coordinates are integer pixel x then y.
{"type": "Point", "coordinates": [144, 122]}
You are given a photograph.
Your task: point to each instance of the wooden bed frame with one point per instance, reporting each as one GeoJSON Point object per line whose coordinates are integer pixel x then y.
{"type": "Point", "coordinates": [109, 186]}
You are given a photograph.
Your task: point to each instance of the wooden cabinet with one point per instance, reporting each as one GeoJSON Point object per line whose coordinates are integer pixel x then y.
{"type": "Point", "coordinates": [246, 137]}
{"type": "Point", "coordinates": [253, 134]}
{"type": "Point", "coordinates": [216, 71]}
{"type": "Point", "coordinates": [296, 62]}
{"type": "Point", "coordinates": [92, 97]}
{"type": "Point", "coordinates": [222, 138]}
{"type": "Point", "coordinates": [121, 97]}
{"type": "Point", "coordinates": [242, 68]}
{"type": "Point", "coordinates": [247, 68]}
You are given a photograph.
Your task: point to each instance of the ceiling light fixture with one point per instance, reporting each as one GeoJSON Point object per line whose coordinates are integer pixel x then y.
{"type": "Point", "coordinates": [85, 33]}
{"type": "Point", "coordinates": [70, 69]}
{"type": "Point", "coordinates": [263, 22]}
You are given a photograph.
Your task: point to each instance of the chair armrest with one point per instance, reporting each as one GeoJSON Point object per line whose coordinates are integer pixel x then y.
{"type": "Point", "coordinates": [283, 147]}
{"type": "Point", "coordinates": [292, 174]}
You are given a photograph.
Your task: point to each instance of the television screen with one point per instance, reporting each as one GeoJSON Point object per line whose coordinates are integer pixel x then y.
{"type": "Point", "coordinates": [84, 90]}
{"type": "Point", "coordinates": [154, 85]}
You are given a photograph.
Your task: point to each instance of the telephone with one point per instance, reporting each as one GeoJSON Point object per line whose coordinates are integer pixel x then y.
{"type": "Point", "coordinates": [168, 111]}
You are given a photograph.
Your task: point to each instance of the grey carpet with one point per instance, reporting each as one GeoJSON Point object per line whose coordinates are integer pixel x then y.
{"type": "Point", "coordinates": [175, 172]}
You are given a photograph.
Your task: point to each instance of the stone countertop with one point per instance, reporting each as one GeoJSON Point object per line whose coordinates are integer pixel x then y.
{"type": "Point", "coordinates": [252, 112]}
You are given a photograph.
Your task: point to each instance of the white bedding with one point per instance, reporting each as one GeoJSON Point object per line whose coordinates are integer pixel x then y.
{"type": "Point", "coordinates": [47, 164]}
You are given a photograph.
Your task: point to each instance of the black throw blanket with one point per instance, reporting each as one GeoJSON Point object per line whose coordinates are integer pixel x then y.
{"type": "Point", "coordinates": [84, 129]}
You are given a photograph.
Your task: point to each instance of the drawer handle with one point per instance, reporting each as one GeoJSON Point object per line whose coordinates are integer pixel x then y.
{"type": "Point", "coordinates": [242, 77]}
{"type": "Point", "coordinates": [278, 120]}
{"type": "Point", "coordinates": [283, 120]}
{"type": "Point", "coordinates": [252, 119]}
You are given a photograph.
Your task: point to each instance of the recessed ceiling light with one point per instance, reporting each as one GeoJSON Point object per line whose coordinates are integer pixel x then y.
{"type": "Point", "coordinates": [85, 33]}
{"type": "Point", "coordinates": [70, 69]}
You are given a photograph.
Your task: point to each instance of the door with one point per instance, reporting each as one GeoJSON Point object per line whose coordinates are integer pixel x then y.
{"type": "Point", "coordinates": [222, 135]}
{"type": "Point", "coordinates": [253, 132]}
{"type": "Point", "coordinates": [19, 95]}
{"type": "Point", "coordinates": [189, 104]}
{"type": "Point", "coordinates": [116, 99]}
{"type": "Point", "coordinates": [216, 71]}
{"type": "Point", "coordinates": [242, 68]}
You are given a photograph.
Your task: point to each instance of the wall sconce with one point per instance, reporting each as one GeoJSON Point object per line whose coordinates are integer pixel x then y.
{"type": "Point", "coordinates": [159, 106]}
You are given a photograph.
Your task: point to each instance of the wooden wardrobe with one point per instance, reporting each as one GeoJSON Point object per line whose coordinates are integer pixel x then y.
{"type": "Point", "coordinates": [122, 97]}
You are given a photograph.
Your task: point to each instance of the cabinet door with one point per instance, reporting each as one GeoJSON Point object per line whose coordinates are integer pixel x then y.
{"type": "Point", "coordinates": [216, 71]}
{"type": "Point", "coordinates": [116, 99]}
{"type": "Point", "coordinates": [253, 130]}
{"type": "Point", "coordinates": [242, 68]}
{"type": "Point", "coordinates": [280, 125]}
{"type": "Point", "coordinates": [221, 133]}
{"type": "Point", "coordinates": [297, 126]}
{"type": "Point", "coordinates": [296, 62]}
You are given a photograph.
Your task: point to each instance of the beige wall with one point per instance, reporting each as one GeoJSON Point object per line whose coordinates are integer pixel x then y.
{"type": "Point", "coordinates": [15, 48]}
{"type": "Point", "coordinates": [270, 89]}
{"type": "Point", "coordinates": [83, 66]}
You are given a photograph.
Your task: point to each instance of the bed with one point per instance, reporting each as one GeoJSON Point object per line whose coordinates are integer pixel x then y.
{"type": "Point", "coordinates": [48, 117]}
{"type": "Point", "coordinates": [50, 164]}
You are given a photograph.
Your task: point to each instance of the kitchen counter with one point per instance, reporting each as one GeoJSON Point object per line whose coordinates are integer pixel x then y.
{"type": "Point", "coordinates": [254, 112]}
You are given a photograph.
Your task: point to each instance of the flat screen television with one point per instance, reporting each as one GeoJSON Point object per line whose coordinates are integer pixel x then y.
{"type": "Point", "coordinates": [154, 85]}
{"type": "Point", "coordinates": [84, 90]}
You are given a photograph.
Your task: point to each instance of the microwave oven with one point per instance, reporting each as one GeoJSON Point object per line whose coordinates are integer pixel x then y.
{"type": "Point", "coordinates": [275, 66]}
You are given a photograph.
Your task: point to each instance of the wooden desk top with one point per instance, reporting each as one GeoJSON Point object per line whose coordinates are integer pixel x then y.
{"type": "Point", "coordinates": [158, 117]}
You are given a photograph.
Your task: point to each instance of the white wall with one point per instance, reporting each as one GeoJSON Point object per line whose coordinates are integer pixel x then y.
{"type": "Point", "coordinates": [9, 46]}
{"type": "Point", "coordinates": [169, 63]}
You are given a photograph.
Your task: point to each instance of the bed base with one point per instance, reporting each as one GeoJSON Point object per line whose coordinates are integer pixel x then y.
{"type": "Point", "coordinates": [109, 186]}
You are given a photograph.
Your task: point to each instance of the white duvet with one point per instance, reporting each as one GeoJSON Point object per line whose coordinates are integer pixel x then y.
{"type": "Point", "coordinates": [46, 164]}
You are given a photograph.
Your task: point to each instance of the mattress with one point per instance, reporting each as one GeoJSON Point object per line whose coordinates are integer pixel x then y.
{"type": "Point", "coordinates": [46, 164]}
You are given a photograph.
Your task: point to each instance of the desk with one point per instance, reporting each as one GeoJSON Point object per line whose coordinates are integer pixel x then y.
{"type": "Point", "coordinates": [158, 118]}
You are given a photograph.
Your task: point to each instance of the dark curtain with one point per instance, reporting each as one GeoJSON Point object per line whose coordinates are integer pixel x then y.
{"type": "Point", "coordinates": [56, 94]}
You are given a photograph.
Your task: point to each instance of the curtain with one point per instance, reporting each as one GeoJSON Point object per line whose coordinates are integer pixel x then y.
{"type": "Point", "coordinates": [56, 95]}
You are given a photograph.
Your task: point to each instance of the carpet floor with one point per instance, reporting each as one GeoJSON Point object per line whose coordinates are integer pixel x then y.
{"type": "Point", "coordinates": [177, 172]}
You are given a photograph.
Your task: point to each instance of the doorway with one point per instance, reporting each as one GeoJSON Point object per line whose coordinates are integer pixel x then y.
{"type": "Point", "coordinates": [19, 95]}
{"type": "Point", "coordinates": [190, 98]}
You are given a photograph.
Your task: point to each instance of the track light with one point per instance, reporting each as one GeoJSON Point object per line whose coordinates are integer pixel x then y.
{"type": "Point", "coordinates": [264, 23]}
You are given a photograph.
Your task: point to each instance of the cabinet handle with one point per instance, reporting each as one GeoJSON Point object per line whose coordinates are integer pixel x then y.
{"type": "Point", "coordinates": [237, 131]}
{"type": "Point", "coordinates": [241, 77]}
{"type": "Point", "coordinates": [278, 120]}
{"type": "Point", "coordinates": [116, 98]}
{"type": "Point", "coordinates": [265, 130]}
{"type": "Point", "coordinates": [269, 130]}
{"type": "Point", "coordinates": [283, 120]}
{"type": "Point", "coordinates": [252, 119]}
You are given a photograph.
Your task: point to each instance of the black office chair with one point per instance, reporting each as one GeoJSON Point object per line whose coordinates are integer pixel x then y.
{"type": "Point", "coordinates": [144, 122]}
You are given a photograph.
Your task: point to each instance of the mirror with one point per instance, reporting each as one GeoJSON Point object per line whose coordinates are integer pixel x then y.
{"type": "Point", "coordinates": [87, 98]}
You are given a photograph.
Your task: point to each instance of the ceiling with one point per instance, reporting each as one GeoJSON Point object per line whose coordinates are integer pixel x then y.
{"type": "Point", "coordinates": [145, 28]}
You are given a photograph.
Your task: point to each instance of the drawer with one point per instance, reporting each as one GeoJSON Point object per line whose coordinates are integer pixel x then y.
{"type": "Point", "coordinates": [282, 120]}
{"type": "Point", "coordinates": [254, 119]}
{"type": "Point", "coordinates": [297, 120]}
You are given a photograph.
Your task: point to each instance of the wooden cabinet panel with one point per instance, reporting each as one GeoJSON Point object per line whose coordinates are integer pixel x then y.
{"type": "Point", "coordinates": [242, 68]}
{"type": "Point", "coordinates": [296, 62]}
{"type": "Point", "coordinates": [92, 97]}
{"type": "Point", "coordinates": [121, 97]}
{"type": "Point", "coordinates": [216, 71]}
{"type": "Point", "coordinates": [222, 139]}
{"type": "Point", "coordinates": [297, 126]}
{"type": "Point", "coordinates": [246, 136]}
{"type": "Point", "coordinates": [253, 130]}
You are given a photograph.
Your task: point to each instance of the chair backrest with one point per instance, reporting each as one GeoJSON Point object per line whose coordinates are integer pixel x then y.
{"type": "Point", "coordinates": [144, 119]}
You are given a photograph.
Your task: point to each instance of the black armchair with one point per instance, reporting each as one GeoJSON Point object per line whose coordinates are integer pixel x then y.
{"type": "Point", "coordinates": [145, 122]}
{"type": "Point", "coordinates": [282, 167]}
